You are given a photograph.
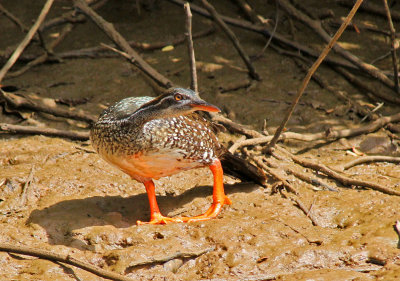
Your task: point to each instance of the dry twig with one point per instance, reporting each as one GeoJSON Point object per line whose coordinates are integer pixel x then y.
{"type": "Point", "coordinates": [192, 58]}
{"type": "Point", "coordinates": [100, 51]}
{"type": "Point", "coordinates": [373, 158]}
{"type": "Point", "coordinates": [259, 161]}
{"type": "Point", "coordinates": [263, 30]}
{"type": "Point", "coordinates": [31, 130]}
{"type": "Point", "coordinates": [177, 255]}
{"type": "Point", "coordinates": [248, 11]}
{"type": "Point", "coordinates": [393, 47]}
{"type": "Point", "coordinates": [22, 102]}
{"type": "Point", "coordinates": [313, 68]}
{"type": "Point", "coordinates": [13, 18]}
{"type": "Point", "coordinates": [64, 258]}
{"type": "Point", "coordinates": [370, 7]}
{"type": "Point", "coordinates": [71, 16]}
{"type": "Point", "coordinates": [328, 135]}
{"type": "Point", "coordinates": [48, 53]}
{"type": "Point", "coordinates": [235, 127]}
{"type": "Point", "coordinates": [252, 72]}
{"type": "Point", "coordinates": [311, 180]}
{"type": "Point", "coordinates": [365, 88]}
{"type": "Point", "coordinates": [316, 26]}
{"type": "Point", "coordinates": [21, 47]}
{"type": "Point", "coordinates": [341, 94]}
{"type": "Point", "coordinates": [120, 41]}
{"type": "Point", "coordinates": [28, 182]}
{"type": "Point", "coordinates": [301, 206]}
{"type": "Point", "coordinates": [341, 178]}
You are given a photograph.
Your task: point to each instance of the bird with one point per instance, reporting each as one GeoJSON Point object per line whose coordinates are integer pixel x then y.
{"type": "Point", "coordinates": [149, 138]}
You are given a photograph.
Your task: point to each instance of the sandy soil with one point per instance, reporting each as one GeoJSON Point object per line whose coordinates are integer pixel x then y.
{"type": "Point", "coordinates": [57, 195]}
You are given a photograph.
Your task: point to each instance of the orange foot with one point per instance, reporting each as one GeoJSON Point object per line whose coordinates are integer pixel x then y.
{"type": "Point", "coordinates": [211, 213]}
{"type": "Point", "coordinates": [157, 218]}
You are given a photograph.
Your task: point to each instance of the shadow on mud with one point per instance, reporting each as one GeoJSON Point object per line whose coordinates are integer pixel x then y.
{"type": "Point", "coordinates": [62, 219]}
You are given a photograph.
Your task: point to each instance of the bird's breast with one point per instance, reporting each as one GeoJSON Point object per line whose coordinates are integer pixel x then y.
{"type": "Point", "coordinates": [153, 164]}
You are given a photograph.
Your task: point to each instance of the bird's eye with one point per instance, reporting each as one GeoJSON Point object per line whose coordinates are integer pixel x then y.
{"type": "Point", "coordinates": [178, 97]}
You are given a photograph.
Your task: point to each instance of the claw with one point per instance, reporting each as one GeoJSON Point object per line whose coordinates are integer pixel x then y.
{"type": "Point", "coordinates": [157, 218]}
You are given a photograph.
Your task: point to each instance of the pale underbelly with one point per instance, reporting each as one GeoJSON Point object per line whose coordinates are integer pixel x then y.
{"type": "Point", "coordinates": [152, 165]}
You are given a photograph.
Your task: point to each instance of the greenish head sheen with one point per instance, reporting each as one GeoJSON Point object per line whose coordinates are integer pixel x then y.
{"type": "Point", "coordinates": [177, 101]}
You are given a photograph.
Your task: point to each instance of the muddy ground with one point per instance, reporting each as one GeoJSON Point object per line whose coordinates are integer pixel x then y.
{"type": "Point", "coordinates": [57, 195]}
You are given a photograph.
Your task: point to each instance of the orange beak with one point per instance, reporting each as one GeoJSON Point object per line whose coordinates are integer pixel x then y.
{"type": "Point", "coordinates": [206, 107]}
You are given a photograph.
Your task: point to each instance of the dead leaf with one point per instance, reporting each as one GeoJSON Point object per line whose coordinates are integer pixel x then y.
{"type": "Point", "coordinates": [220, 59]}
{"type": "Point", "coordinates": [208, 66]}
{"type": "Point", "coordinates": [168, 48]}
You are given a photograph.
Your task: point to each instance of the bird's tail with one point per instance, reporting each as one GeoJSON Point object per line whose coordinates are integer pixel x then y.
{"type": "Point", "coordinates": [242, 169]}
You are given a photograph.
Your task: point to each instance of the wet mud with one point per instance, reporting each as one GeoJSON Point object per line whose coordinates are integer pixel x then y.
{"type": "Point", "coordinates": [59, 195]}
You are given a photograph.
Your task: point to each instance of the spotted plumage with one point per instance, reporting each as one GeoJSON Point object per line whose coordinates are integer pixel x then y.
{"type": "Point", "coordinates": [149, 138]}
{"type": "Point", "coordinates": [179, 143]}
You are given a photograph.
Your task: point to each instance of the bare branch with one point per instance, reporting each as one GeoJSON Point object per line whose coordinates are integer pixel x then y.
{"type": "Point", "coordinates": [21, 47]}
{"type": "Point", "coordinates": [312, 70]}
{"type": "Point", "coordinates": [120, 41]}
{"type": "Point", "coordinates": [192, 59]}
{"type": "Point", "coordinates": [393, 47]}
{"type": "Point", "coordinates": [64, 258]}
{"type": "Point", "coordinates": [31, 130]}
{"type": "Point", "coordinates": [233, 38]}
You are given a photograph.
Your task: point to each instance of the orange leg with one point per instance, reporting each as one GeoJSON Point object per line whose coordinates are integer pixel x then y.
{"type": "Point", "coordinates": [155, 215]}
{"type": "Point", "coordinates": [219, 197]}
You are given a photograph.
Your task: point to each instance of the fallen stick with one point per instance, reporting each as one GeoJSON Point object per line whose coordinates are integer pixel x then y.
{"type": "Point", "coordinates": [313, 68]}
{"type": "Point", "coordinates": [308, 179]}
{"type": "Point", "coordinates": [13, 18]}
{"type": "Point", "coordinates": [300, 175]}
{"type": "Point", "coordinates": [340, 178]}
{"type": "Point", "coordinates": [248, 11]}
{"type": "Point", "coordinates": [22, 102]}
{"type": "Point", "coordinates": [235, 127]}
{"type": "Point", "coordinates": [272, 35]}
{"type": "Point", "coordinates": [393, 47]}
{"type": "Point", "coordinates": [21, 47]}
{"type": "Point", "coordinates": [231, 35]}
{"type": "Point", "coordinates": [28, 182]}
{"type": "Point", "coordinates": [365, 88]}
{"type": "Point", "coordinates": [120, 41]}
{"type": "Point", "coordinates": [328, 135]}
{"type": "Point", "coordinates": [370, 8]}
{"type": "Point", "coordinates": [341, 94]}
{"type": "Point", "coordinates": [317, 28]}
{"type": "Point", "coordinates": [259, 161]}
{"type": "Point", "coordinates": [301, 206]}
{"type": "Point", "coordinates": [31, 130]}
{"type": "Point", "coordinates": [358, 26]}
{"type": "Point", "coordinates": [177, 255]}
{"type": "Point", "coordinates": [43, 58]}
{"type": "Point", "coordinates": [267, 33]}
{"type": "Point", "coordinates": [71, 16]}
{"type": "Point", "coordinates": [100, 51]}
{"type": "Point", "coordinates": [64, 258]}
{"type": "Point", "coordinates": [373, 158]}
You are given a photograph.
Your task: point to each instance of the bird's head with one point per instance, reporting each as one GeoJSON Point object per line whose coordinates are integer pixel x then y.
{"type": "Point", "coordinates": [174, 102]}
